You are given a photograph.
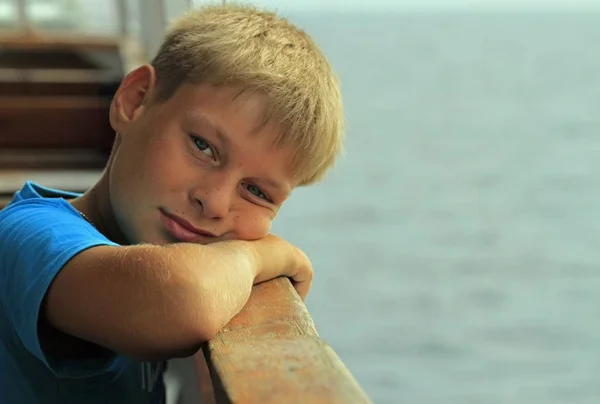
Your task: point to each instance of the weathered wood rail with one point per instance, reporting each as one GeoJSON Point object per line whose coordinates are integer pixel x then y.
{"type": "Point", "coordinates": [271, 353]}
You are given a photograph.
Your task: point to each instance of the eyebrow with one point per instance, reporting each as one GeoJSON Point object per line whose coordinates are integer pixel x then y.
{"type": "Point", "coordinates": [203, 120]}
{"type": "Point", "coordinates": [199, 119]}
{"type": "Point", "coordinates": [277, 185]}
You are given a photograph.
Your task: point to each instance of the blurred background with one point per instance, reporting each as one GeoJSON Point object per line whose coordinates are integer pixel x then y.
{"type": "Point", "coordinates": [456, 245]}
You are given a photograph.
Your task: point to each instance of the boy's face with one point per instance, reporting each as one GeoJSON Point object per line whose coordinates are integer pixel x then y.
{"type": "Point", "coordinates": [196, 168]}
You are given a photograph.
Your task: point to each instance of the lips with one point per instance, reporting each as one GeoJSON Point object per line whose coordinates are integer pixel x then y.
{"type": "Point", "coordinates": [183, 230]}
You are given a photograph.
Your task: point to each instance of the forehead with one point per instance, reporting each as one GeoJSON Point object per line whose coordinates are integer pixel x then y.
{"type": "Point", "coordinates": [221, 101]}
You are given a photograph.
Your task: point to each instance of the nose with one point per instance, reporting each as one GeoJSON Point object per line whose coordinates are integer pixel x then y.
{"type": "Point", "coordinates": [214, 197]}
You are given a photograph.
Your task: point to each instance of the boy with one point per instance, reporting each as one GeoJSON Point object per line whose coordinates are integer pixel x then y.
{"type": "Point", "coordinates": [97, 290]}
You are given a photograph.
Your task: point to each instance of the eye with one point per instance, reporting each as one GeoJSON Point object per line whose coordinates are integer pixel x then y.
{"type": "Point", "coordinates": [256, 191]}
{"type": "Point", "coordinates": [203, 146]}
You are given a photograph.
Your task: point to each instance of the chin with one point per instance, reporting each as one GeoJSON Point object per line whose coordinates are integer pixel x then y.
{"type": "Point", "coordinates": [154, 240]}
{"type": "Point", "coordinates": [207, 242]}
{"type": "Point", "coordinates": [247, 238]}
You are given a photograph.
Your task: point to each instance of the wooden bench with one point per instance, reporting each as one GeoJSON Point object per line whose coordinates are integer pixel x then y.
{"type": "Point", "coordinates": [55, 95]}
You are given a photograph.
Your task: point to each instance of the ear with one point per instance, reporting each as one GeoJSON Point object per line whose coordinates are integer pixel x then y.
{"type": "Point", "coordinates": [132, 95]}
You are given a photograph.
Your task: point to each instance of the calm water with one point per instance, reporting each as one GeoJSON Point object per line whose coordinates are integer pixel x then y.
{"type": "Point", "coordinates": [457, 244]}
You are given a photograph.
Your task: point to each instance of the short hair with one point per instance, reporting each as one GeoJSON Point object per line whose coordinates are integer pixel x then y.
{"type": "Point", "coordinates": [256, 50]}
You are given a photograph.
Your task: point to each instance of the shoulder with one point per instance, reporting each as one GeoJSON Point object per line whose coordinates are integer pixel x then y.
{"type": "Point", "coordinates": [35, 199]}
{"type": "Point", "coordinates": [36, 214]}
{"type": "Point", "coordinates": [43, 232]}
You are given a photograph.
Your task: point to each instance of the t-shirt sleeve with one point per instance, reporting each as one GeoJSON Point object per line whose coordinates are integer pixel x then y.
{"type": "Point", "coordinates": [37, 238]}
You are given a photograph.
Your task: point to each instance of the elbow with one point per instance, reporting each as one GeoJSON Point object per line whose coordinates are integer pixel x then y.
{"type": "Point", "coordinates": [205, 312]}
{"type": "Point", "coordinates": [190, 319]}
{"type": "Point", "coordinates": [181, 343]}
{"type": "Point", "coordinates": [190, 336]}
{"type": "Point", "coordinates": [207, 308]}
{"type": "Point", "coordinates": [179, 337]}
{"type": "Point", "coordinates": [202, 323]}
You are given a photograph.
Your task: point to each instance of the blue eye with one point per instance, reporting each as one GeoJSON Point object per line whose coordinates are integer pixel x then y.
{"type": "Point", "coordinates": [203, 146]}
{"type": "Point", "coordinates": [256, 191]}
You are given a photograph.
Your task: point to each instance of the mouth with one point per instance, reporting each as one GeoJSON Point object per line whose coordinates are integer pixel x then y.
{"type": "Point", "coordinates": [182, 230]}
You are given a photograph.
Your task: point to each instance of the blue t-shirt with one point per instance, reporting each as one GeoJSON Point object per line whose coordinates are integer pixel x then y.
{"type": "Point", "coordinates": [39, 232]}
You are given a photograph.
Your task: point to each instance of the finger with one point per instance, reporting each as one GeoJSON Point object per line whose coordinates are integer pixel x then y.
{"type": "Point", "coordinates": [302, 288]}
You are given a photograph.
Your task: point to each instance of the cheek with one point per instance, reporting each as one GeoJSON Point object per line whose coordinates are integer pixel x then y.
{"type": "Point", "coordinates": [252, 225]}
{"type": "Point", "coordinates": [162, 167]}
{"type": "Point", "coordinates": [142, 175]}
{"type": "Point", "coordinates": [165, 162]}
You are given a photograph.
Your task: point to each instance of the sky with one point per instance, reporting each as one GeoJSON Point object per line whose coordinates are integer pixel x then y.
{"type": "Point", "coordinates": [428, 4]}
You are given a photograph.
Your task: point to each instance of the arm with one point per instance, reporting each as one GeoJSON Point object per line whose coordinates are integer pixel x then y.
{"type": "Point", "coordinates": [157, 302]}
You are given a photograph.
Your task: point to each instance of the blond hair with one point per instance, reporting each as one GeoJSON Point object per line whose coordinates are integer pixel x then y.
{"type": "Point", "coordinates": [256, 50]}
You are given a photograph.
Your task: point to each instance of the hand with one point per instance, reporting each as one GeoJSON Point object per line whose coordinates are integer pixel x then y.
{"type": "Point", "coordinates": [277, 257]}
{"type": "Point", "coordinates": [302, 281]}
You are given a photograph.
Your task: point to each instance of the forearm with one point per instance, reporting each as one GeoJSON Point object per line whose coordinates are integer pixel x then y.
{"type": "Point", "coordinates": [151, 301]}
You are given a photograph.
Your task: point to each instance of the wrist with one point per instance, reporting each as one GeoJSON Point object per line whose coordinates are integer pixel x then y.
{"type": "Point", "coordinates": [254, 257]}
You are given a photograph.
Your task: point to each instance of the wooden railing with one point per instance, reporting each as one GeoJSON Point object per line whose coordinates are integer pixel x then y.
{"type": "Point", "coordinates": [271, 353]}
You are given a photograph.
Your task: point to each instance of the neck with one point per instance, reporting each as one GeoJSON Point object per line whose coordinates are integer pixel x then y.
{"type": "Point", "coordinates": [95, 204]}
